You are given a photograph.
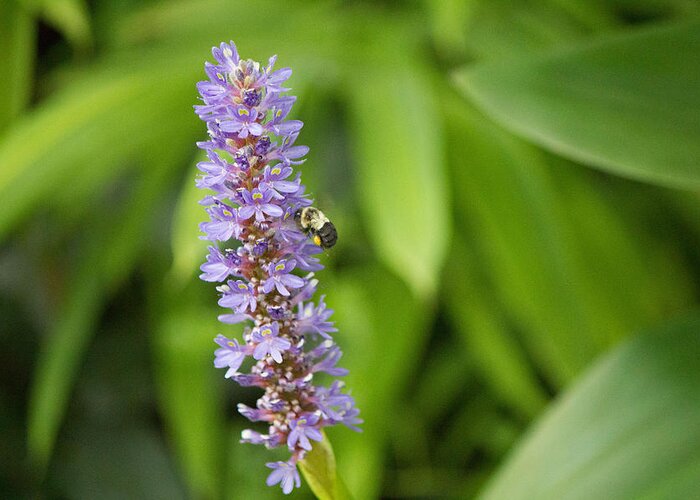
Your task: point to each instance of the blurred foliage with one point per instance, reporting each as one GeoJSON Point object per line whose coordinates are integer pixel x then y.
{"type": "Point", "coordinates": [482, 270]}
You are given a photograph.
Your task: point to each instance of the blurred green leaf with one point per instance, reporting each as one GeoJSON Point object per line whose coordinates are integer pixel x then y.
{"type": "Point", "coordinates": [383, 330]}
{"type": "Point", "coordinates": [188, 391]}
{"type": "Point", "coordinates": [88, 133]}
{"type": "Point", "coordinates": [306, 34]}
{"type": "Point", "coordinates": [445, 376]}
{"type": "Point", "coordinates": [574, 277]}
{"type": "Point", "coordinates": [189, 251]}
{"type": "Point", "coordinates": [112, 251]}
{"type": "Point", "coordinates": [449, 19]}
{"type": "Point", "coordinates": [17, 44]}
{"type": "Point", "coordinates": [318, 467]}
{"type": "Point", "coordinates": [479, 318]}
{"type": "Point", "coordinates": [627, 429]}
{"type": "Point", "coordinates": [628, 104]}
{"type": "Point", "coordinates": [507, 201]}
{"type": "Point", "coordinates": [505, 29]}
{"type": "Point", "coordinates": [69, 17]}
{"type": "Point", "coordinates": [116, 464]}
{"type": "Point", "coordinates": [246, 472]}
{"type": "Point", "coordinates": [401, 174]}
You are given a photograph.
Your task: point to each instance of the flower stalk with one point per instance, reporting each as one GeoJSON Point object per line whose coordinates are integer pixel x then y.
{"type": "Point", "coordinates": [265, 262]}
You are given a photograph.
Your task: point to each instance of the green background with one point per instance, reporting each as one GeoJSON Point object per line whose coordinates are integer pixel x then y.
{"type": "Point", "coordinates": [516, 278]}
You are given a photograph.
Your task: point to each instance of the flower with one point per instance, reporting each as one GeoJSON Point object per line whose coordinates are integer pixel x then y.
{"type": "Point", "coordinates": [313, 319]}
{"type": "Point", "coordinates": [280, 277]}
{"type": "Point", "coordinates": [229, 355]}
{"type": "Point", "coordinates": [240, 296]}
{"type": "Point", "coordinates": [286, 474]}
{"type": "Point", "coordinates": [220, 265]}
{"type": "Point", "coordinates": [257, 202]}
{"type": "Point", "coordinates": [302, 429]}
{"type": "Point", "coordinates": [254, 193]}
{"type": "Point", "coordinates": [244, 122]}
{"type": "Point", "coordinates": [269, 342]}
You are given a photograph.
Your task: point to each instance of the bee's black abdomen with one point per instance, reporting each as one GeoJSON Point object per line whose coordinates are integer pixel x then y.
{"type": "Point", "coordinates": [328, 235]}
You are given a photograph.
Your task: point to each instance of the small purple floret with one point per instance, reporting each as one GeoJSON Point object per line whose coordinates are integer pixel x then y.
{"type": "Point", "coordinates": [280, 277]}
{"type": "Point", "coordinates": [269, 342]}
{"type": "Point", "coordinates": [229, 355]}
{"type": "Point", "coordinates": [302, 429]}
{"type": "Point", "coordinates": [286, 474]}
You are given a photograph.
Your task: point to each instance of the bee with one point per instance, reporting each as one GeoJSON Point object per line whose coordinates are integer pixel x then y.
{"type": "Point", "coordinates": [312, 221]}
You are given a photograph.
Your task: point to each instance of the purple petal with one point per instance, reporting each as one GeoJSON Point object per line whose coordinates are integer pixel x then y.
{"type": "Point", "coordinates": [231, 126]}
{"type": "Point", "coordinates": [276, 354]}
{"type": "Point", "coordinates": [232, 319]}
{"type": "Point", "coordinates": [292, 281]}
{"type": "Point", "coordinates": [255, 128]}
{"type": "Point", "coordinates": [272, 210]}
{"type": "Point", "coordinates": [275, 476]}
{"type": "Point", "coordinates": [281, 289]}
{"type": "Point", "coordinates": [260, 351]}
{"type": "Point", "coordinates": [246, 212]}
{"type": "Point", "coordinates": [314, 434]}
{"type": "Point", "coordinates": [285, 186]}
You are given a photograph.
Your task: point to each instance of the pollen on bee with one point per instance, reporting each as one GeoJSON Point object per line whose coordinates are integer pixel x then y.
{"type": "Point", "coordinates": [317, 240]}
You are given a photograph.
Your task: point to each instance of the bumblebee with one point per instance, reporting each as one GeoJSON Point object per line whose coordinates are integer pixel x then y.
{"type": "Point", "coordinates": [312, 221]}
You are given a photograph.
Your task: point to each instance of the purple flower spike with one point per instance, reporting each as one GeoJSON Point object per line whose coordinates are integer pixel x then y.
{"type": "Point", "coordinates": [286, 474]}
{"type": "Point", "coordinates": [251, 156]}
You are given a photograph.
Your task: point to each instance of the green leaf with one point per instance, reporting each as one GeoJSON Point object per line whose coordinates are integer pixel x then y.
{"type": "Point", "coordinates": [17, 42]}
{"type": "Point", "coordinates": [112, 250]}
{"type": "Point", "coordinates": [245, 472]}
{"type": "Point", "coordinates": [189, 251]}
{"type": "Point", "coordinates": [318, 467]}
{"type": "Point", "coordinates": [573, 276]}
{"type": "Point", "coordinates": [122, 462]}
{"type": "Point", "coordinates": [189, 388]}
{"type": "Point", "coordinates": [401, 178]}
{"type": "Point", "coordinates": [628, 104]}
{"type": "Point", "coordinates": [449, 19]}
{"type": "Point", "coordinates": [530, 26]}
{"type": "Point", "coordinates": [627, 429]}
{"type": "Point", "coordinates": [69, 17]}
{"type": "Point", "coordinates": [375, 330]}
{"type": "Point", "coordinates": [479, 320]}
{"type": "Point", "coordinates": [89, 132]}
